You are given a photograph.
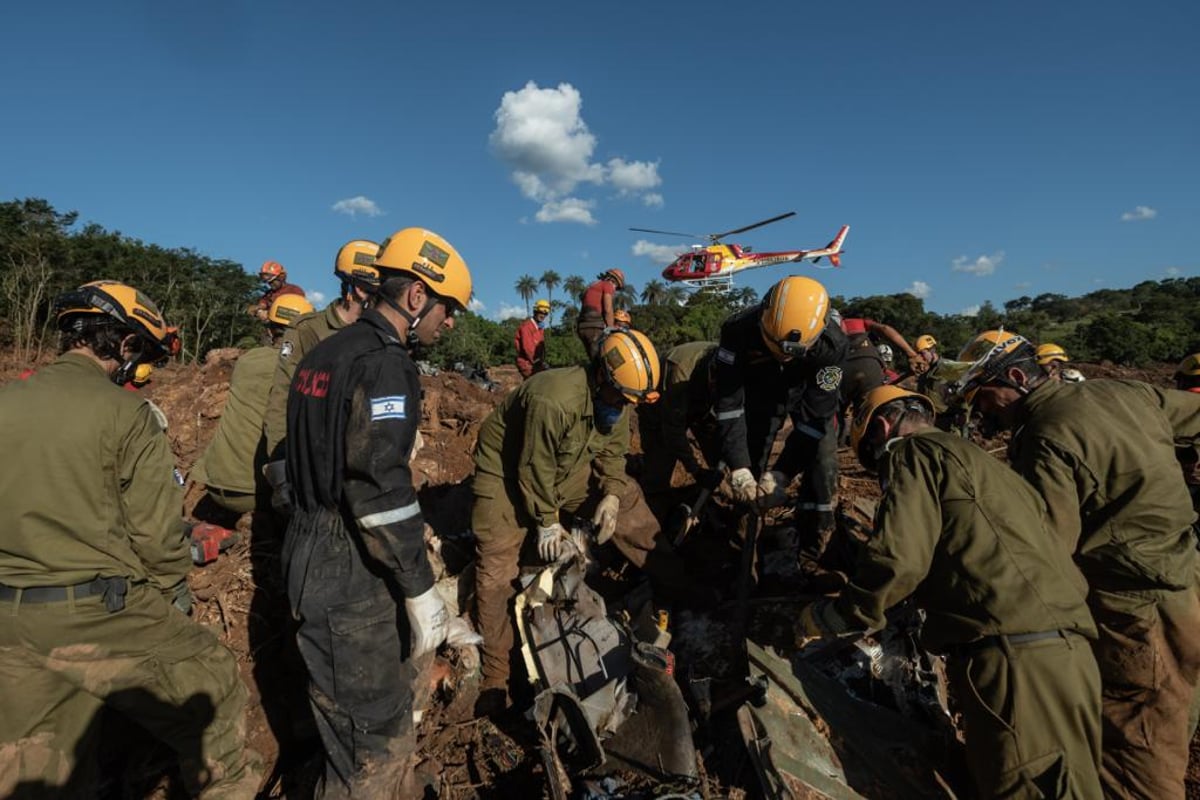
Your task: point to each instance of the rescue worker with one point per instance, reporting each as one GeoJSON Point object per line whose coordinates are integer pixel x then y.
{"type": "Point", "coordinates": [231, 467]}
{"type": "Point", "coordinates": [274, 276]}
{"type": "Point", "coordinates": [622, 319]}
{"type": "Point", "coordinates": [889, 370]}
{"type": "Point", "coordinates": [1102, 454]}
{"type": "Point", "coordinates": [354, 267]}
{"type": "Point", "coordinates": [783, 355]}
{"type": "Point", "coordinates": [686, 405]}
{"type": "Point", "coordinates": [553, 451]}
{"type": "Point", "coordinates": [355, 565]}
{"type": "Point", "coordinates": [968, 540]}
{"type": "Point", "coordinates": [864, 366]}
{"type": "Point", "coordinates": [937, 381]}
{"type": "Point", "coordinates": [1052, 358]}
{"type": "Point", "coordinates": [93, 565]}
{"type": "Point", "coordinates": [596, 308]}
{"type": "Point", "coordinates": [530, 340]}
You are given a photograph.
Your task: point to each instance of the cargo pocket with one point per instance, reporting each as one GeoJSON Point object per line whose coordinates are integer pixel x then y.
{"type": "Point", "coordinates": [1127, 653]}
{"type": "Point", "coordinates": [367, 680]}
{"type": "Point", "coordinates": [1043, 777]}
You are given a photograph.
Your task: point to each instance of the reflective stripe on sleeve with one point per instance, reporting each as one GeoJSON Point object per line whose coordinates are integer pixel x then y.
{"type": "Point", "coordinates": [381, 518]}
{"type": "Point", "coordinates": [809, 430]}
{"type": "Point", "coordinates": [815, 506]}
{"type": "Point", "coordinates": [724, 415]}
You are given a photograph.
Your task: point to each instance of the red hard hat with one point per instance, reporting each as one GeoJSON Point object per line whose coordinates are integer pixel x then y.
{"type": "Point", "coordinates": [617, 275]}
{"type": "Point", "coordinates": [271, 268]}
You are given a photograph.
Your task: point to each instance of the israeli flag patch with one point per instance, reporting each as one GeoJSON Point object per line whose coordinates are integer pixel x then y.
{"type": "Point", "coordinates": [389, 407]}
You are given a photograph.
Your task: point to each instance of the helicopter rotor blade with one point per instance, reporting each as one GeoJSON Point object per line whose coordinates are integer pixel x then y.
{"type": "Point", "coordinates": [716, 236]}
{"type": "Point", "coordinates": [668, 233]}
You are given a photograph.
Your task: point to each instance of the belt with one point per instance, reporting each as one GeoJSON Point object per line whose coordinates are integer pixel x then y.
{"type": "Point", "coordinates": [111, 589]}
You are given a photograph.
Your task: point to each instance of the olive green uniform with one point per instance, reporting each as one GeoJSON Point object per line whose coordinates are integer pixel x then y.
{"type": "Point", "coordinates": [231, 467]}
{"type": "Point", "coordinates": [1102, 455]}
{"type": "Point", "coordinates": [299, 338]}
{"type": "Point", "coordinates": [538, 454]}
{"type": "Point", "coordinates": [92, 512]}
{"type": "Point", "coordinates": [968, 540]}
{"type": "Point", "coordinates": [685, 404]}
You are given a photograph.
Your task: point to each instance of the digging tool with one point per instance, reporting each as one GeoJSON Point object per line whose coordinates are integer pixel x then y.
{"type": "Point", "coordinates": [746, 576]}
{"type": "Point", "coordinates": [686, 517]}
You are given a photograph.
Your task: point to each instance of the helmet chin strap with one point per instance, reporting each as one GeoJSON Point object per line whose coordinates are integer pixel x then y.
{"type": "Point", "coordinates": [412, 340]}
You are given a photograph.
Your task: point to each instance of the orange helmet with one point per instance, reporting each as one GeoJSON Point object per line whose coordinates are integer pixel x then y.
{"type": "Point", "coordinates": [287, 309]}
{"type": "Point", "coordinates": [621, 316]}
{"type": "Point", "coordinates": [630, 364]}
{"type": "Point", "coordinates": [617, 276]}
{"type": "Point", "coordinates": [355, 262]}
{"type": "Point", "coordinates": [122, 303]}
{"type": "Point", "coordinates": [271, 269]}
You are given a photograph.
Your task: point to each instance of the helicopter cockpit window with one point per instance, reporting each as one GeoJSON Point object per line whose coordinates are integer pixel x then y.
{"type": "Point", "coordinates": [698, 262]}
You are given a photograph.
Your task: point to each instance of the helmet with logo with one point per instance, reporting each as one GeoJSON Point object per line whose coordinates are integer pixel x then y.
{"type": "Point", "coordinates": [615, 275]}
{"type": "Point", "coordinates": [926, 342]}
{"type": "Point", "coordinates": [427, 257]}
{"type": "Point", "coordinates": [990, 354]}
{"type": "Point", "coordinates": [794, 314]}
{"type": "Point", "coordinates": [1050, 352]}
{"type": "Point", "coordinates": [287, 309]}
{"type": "Point", "coordinates": [355, 263]}
{"type": "Point", "coordinates": [630, 363]}
{"type": "Point", "coordinates": [874, 400]}
{"type": "Point", "coordinates": [120, 303]}
{"type": "Point", "coordinates": [1190, 366]}
{"type": "Point", "coordinates": [621, 317]}
{"type": "Point", "coordinates": [541, 306]}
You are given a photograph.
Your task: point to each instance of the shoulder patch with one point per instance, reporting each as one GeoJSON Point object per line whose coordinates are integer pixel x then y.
{"type": "Point", "coordinates": [725, 356]}
{"type": "Point", "coordinates": [285, 350]}
{"type": "Point", "coordinates": [392, 407]}
{"type": "Point", "coordinates": [829, 378]}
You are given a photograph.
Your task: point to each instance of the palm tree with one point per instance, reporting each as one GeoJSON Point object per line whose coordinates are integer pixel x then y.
{"type": "Point", "coordinates": [550, 279]}
{"type": "Point", "coordinates": [526, 285]}
{"type": "Point", "coordinates": [654, 293]}
{"type": "Point", "coordinates": [675, 294]}
{"type": "Point", "coordinates": [625, 297]}
{"type": "Point", "coordinates": [575, 286]}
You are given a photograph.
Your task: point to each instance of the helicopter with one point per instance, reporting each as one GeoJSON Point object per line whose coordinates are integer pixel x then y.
{"type": "Point", "coordinates": [713, 265]}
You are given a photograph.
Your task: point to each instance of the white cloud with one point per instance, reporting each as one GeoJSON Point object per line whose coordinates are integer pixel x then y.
{"type": "Point", "coordinates": [476, 305]}
{"type": "Point", "coordinates": [659, 253]}
{"type": "Point", "coordinates": [542, 137]}
{"type": "Point", "coordinates": [652, 199]}
{"type": "Point", "coordinates": [507, 311]}
{"type": "Point", "coordinates": [919, 289]}
{"type": "Point", "coordinates": [569, 209]}
{"type": "Point", "coordinates": [1173, 272]}
{"type": "Point", "coordinates": [316, 298]}
{"type": "Point", "coordinates": [971, 311]}
{"type": "Point", "coordinates": [984, 265]}
{"type": "Point", "coordinates": [633, 176]}
{"type": "Point", "coordinates": [1139, 213]}
{"type": "Point", "coordinates": [357, 205]}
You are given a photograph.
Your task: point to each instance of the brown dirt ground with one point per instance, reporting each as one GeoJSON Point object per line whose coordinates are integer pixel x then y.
{"type": "Point", "coordinates": [241, 598]}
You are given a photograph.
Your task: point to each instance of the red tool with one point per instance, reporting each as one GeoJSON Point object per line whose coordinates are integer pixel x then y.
{"type": "Point", "coordinates": [209, 541]}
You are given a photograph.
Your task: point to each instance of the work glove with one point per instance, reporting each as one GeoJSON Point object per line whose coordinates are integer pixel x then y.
{"type": "Point", "coordinates": [772, 489]}
{"type": "Point", "coordinates": [428, 620]}
{"type": "Point", "coordinates": [181, 597]}
{"type": "Point", "coordinates": [605, 518]}
{"type": "Point", "coordinates": [281, 491]}
{"type": "Point", "coordinates": [418, 443]}
{"type": "Point", "coordinates": [550, 542]}
{"type": "Point", "coordinates": [745, 488]}
{"type": "Point", "coordinates": [460, 634]}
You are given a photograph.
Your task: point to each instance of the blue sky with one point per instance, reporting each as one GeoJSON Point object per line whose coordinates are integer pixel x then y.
{"type": "Point", "coordinates": [978, 151]}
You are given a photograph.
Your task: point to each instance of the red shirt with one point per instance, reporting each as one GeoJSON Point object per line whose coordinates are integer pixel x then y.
{"type": "Point", "coordinates": [272, 295]}
{"type": "Point", "coordinates": [531, 348]}
{"type": "Point", "coordinates": [593, 298]}
{"type": "Point", "coordinates": [856, 326]}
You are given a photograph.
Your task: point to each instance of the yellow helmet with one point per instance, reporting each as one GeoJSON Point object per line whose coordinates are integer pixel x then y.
{"type": "Point", "coordinates": [355, 262]}
{"type": "Point", "coordinates": [141, 375]}
{"type": "Point", "coordinates": [1050, 352]}
{"type": "Point", "coordinates": [287, 309]}
{"type": "Point", "coordinates": [429, 258]}
{"type": "Point", "coordinates": [541, 305]}
{"type": "Point", "coordinates": [123, 303]}
{"type": "Point", "coordinates": [1189, 366]}
{"type": "Point", "coordinates": [874, 400]}
{"type": "Point", "coordinates": [989, 354]}
{"type": "Point", "coordinates": [925, 342]}
{"type": "Point", "coordinates": [794, 314]}
{"type": "Point", "coordinates": [621, 316]}
{"type": "Point", "coordinates": [630, 364]}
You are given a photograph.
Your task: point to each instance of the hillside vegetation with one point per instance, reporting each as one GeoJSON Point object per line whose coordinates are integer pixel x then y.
{"type": "Point", "coordinates": [44, 251]}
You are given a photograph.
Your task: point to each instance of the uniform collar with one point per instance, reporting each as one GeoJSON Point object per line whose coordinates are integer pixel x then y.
{"type": "Point", "coordinates": [380, 323]}
{"type": "Point", "coordinates": [1037, 397]}
{"type": "Point", "coordinates": [82, 360]}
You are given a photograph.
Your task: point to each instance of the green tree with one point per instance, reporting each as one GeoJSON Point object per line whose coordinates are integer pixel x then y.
{"type": "Point", "coordinates": [550, 279]}
{"type": "Point", "coordinates": [575, 286]}
{"type": "Point", "coordinates": [526, 285]}
{"type": "Point", "coordinates": [654, 292]}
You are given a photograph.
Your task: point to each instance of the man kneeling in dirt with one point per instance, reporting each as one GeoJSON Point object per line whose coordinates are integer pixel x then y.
{"type": "Point", "coordinates": [558, 439]}
{"type": "Point", "coordinates": [968, 540]}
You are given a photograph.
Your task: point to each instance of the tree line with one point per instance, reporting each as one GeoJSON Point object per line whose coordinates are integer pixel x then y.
{"type": "Point", "coordinates": [44, 252]}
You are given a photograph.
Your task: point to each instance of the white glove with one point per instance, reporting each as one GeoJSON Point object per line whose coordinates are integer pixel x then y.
{"type": "Point", "coordinates": [459, 633]}
{"type": "Point", "coordinates": [428, 619]}
{"type": "Point", "coordinates": [745, 488]}
{"type": "Point", "coordinates": [605, 518]}
{"type": "Point", "coordinates": [772, 489]}
{"type": "Point", "coordinates": [550, 542]}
